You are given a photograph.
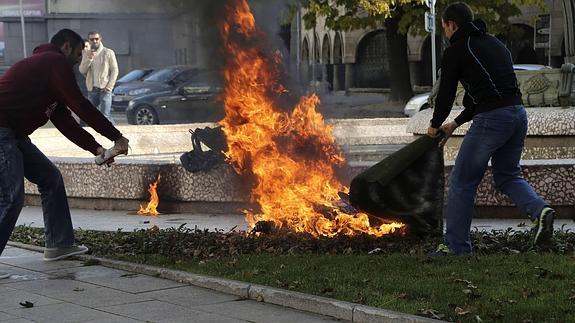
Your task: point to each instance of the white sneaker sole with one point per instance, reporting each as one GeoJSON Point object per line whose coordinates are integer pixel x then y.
{"type": "Point", "coordinates": [75, 253]}
{"type": "Point", "coordinates": [109, 155]}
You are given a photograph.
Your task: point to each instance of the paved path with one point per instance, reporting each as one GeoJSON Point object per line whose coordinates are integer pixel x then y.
{"type": "Point", "coordinates": [128, 221]}
{"type": "Point", "coordinates": [68, 291]}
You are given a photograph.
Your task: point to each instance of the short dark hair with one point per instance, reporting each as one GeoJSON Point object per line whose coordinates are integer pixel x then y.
{"type": "Point", "coordinates": [67, 35]}
{"type": "Point", "coordinates": [94, 32]}
{"type": "Point", "coordinates": [459, 12]}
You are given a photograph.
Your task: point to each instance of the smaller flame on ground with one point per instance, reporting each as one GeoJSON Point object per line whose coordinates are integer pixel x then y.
{"type": "Point", "coordinates": [151, 208]}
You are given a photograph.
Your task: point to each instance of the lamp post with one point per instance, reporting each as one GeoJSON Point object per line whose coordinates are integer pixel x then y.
{"type": "Point", "coordinates": [430, 27]}
{"type": "Point", "coordinates": [23, 30]}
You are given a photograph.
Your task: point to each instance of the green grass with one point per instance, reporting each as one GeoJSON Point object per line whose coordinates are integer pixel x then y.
{"type": "Point", "coordinates": [505, 288]}
{"type": "Point", "coordinates": [506, 281]}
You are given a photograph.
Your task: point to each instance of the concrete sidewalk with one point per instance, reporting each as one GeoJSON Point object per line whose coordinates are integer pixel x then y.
{"type": "Point", "coordinates": [105, 220]}
{"type": "Point", "coordinates": [68, 291]}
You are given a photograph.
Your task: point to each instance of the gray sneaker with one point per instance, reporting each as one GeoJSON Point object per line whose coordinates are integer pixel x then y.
{"type": "Point", "coordinates": [543, 227]}
{"type": "Point", "coordinates": [52, 254]}
{"type": "Point", "coordinates": [4, 275]}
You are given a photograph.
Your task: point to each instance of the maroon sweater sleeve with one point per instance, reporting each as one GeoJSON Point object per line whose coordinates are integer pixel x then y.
{"type": "Point", "coordinates": [63, 83]}
{"type": "Point", "coordinates": [67, 125]}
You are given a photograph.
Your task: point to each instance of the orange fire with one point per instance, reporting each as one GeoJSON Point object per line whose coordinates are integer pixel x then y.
{"type": "Point", "coordinates": [291, 155]}
{"type": "Point", "coordinates": [151, 208]}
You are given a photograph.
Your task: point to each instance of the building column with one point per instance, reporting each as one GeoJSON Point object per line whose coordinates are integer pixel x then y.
{"type": "Point", "coordinates": [304, 73]}
{"type": "Point", "coordinates": [569, 25]}
{"type": "Point", "coordinates": [349, 75]}
{"type": "Point", "coordinates": [336, 85]}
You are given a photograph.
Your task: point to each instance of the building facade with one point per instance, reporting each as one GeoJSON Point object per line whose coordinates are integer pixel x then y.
{"type": "Point", "coordinates": [359, 58]}
{"type": "Point", "coordinates": [143, 33]}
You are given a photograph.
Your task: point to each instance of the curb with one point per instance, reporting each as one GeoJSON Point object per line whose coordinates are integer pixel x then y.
{"type": "Point", "coordinates": [304, 302]}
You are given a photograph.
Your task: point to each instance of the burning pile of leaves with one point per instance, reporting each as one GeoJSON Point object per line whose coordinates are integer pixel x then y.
{"type": "Point", "coordinates": [186, 244]}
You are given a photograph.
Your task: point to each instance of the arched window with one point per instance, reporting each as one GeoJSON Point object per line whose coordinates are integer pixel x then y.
{"type": "Point", "coordinates": [372, 68]}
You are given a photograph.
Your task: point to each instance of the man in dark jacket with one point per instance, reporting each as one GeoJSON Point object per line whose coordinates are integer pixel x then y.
{"type": "Point", "coordinates": [33, 91]}
{"type": "Point", "coordinates": [492, 99]}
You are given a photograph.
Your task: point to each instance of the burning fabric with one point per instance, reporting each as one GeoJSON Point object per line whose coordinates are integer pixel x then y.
{"type": "Point", "coordinates": [291, 156]}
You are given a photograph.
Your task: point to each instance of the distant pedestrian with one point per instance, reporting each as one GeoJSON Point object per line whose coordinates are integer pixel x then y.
{"type": "Point", "coordinates": [492, 99]}
{"type": "Point", "coordinates": [100, 67]}
{"type": "Point", "coordinates": [34, 90]}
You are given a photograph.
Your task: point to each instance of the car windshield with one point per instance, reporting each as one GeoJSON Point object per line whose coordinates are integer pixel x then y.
{"type": "Point", "coordinates": [162, 75]}
{"type": "Point", "coordinates": [131, 76]}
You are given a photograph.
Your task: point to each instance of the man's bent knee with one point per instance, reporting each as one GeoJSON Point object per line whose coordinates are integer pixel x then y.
{"type": "Point", "coordinates": [51, 180]}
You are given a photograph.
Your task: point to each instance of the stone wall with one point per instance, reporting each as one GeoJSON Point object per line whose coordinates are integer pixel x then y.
{"type": "Point", "coordinates": [129, 180]}
{"type": "Point", "coordinates": [551, 133]}
{"type": "Point", "coordinates": [156, 150]}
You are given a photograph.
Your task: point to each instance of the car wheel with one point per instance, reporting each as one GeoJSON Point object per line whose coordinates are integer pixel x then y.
{"type": "Point", "coordinates": [145, 115]}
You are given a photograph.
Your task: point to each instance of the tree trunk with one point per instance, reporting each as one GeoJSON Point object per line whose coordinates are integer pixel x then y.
{"type": "Point", "coordinates": [400, 80]}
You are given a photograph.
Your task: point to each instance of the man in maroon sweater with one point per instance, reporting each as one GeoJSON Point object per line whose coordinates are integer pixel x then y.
{"type": "Point", "coordinates": [33, 91]}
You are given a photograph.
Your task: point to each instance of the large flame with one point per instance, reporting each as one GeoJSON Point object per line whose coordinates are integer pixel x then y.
{"type": "Point", "coordinates": [152, 207]}
{"type": "Point", "coordinates": [291, 155]}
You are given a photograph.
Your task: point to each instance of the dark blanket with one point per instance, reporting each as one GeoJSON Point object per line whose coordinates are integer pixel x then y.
{"type": "Point", "coordinates": [407, 186]}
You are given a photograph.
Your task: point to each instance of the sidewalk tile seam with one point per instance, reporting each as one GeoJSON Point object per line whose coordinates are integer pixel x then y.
{"type": "Point", "coordinates": [121, 290]}
{"type": "Point", "coordinates": [103, 306]}
{"type": "Point", "coordinates": [158, 290]}
{"type": "Point", "coordinates": [223, 286]}
{"type": "Point", "coordinates": [95, 286]}
{"type": "Point", "coordinates": [67, 302]}
{"type": "Point", "coordinates": [35, 270]}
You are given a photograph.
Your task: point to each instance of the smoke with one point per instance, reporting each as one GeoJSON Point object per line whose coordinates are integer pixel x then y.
{"type": "Point", "coordinates": [269, 16]}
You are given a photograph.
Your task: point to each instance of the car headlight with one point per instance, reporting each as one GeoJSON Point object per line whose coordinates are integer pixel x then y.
{"type": "Point", "coordinates": [412, 105]}
{"type": "Point", "coordinates": [131, 103]}
{"type": "Point", "coordinates": [139, 91]}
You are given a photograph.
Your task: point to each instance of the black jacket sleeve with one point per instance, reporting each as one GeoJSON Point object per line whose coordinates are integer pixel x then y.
{"type": "Point", "coordinates": [468, 111]}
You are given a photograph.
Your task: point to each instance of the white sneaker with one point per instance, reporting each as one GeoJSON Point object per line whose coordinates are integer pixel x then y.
{"type": "Point", "coordinates": [52, 254]}
{"type": "Point", "coordinates": [120, 148]}
{"type": "Point", "coordinates": [4, 275]}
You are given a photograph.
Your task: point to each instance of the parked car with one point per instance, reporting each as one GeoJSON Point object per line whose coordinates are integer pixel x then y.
{"type": "Point", "coordinates": [165, 79]}
{"type": "Point", "coordinates": [420, 102]}
{"type": "Point", "coordinates": [416, 103]}
{"type": "Point", "coordinates": [197, 100]}
{"type": "Point", "coordinates": [134, 75]}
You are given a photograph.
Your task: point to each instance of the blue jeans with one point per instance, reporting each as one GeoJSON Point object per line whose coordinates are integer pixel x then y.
{"type": "Point", "coordinates": [20, 158]}
{"type": "Point", "coordinates": [498, 135]}
{"type": "Point", "coordinates": [102, 100]}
